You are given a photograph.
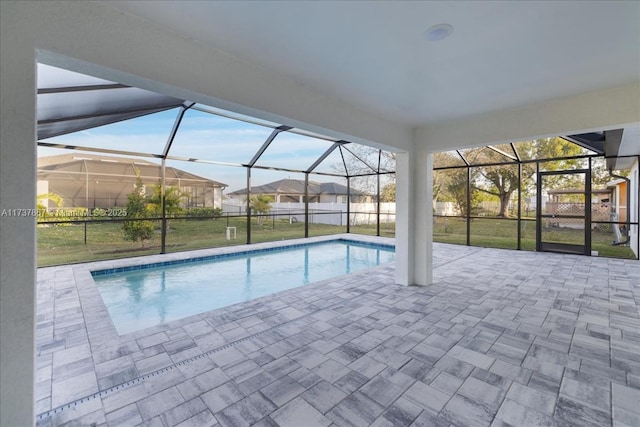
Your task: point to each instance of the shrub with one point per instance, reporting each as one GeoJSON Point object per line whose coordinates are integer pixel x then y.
{"type": "Point", "coordinates": [204, 213]}
{"type": "Point", "coordinates": [138, 228]}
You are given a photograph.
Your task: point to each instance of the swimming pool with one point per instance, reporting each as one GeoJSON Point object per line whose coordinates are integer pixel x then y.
{"type": "Point", "coordinates": [139, 297]}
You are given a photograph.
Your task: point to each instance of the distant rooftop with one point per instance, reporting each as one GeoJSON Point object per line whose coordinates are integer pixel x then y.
{"type": "Point", "coordinates": [296, 186]}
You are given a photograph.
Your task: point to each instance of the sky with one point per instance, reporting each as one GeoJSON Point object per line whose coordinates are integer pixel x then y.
{"type": "Point", "coordinates": [209, 137]}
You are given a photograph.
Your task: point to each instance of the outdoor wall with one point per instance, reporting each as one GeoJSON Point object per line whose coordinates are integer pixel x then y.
{"type": "Point", "coordinates": [634, 205]}
{"type": "Point", "coordinates": [623, 204]}
{"type": "Point", "coordinates": [328, 198]}
{"type": "Point", "coordinates": [17, 233]}
{"type": "Point", "coordinates": [612, 108]}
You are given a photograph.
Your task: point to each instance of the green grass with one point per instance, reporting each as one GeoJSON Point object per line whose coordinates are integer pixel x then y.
{"type": "Point", "coordinates": [502, 233]}
{"type": "Point", "coordinates": [386, 229]}
{"type": "Point", "coordinates": [65, 244]}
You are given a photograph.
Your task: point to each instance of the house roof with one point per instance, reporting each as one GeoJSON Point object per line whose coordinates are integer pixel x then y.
{"type": "Point", "coordinates": [108, 166]}
{"type": "Point", "coordinates": [614, 183]}
{"type": "Point", "coordinates": [296, 186]}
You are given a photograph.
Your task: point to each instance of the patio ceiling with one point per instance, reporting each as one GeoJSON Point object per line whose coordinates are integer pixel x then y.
{"type": "Point", "coordinates": [340, 50]}
{"type": "Point", "coordinates": [374, 56]}
{"type": "Point", "coordinates": [71, 102]}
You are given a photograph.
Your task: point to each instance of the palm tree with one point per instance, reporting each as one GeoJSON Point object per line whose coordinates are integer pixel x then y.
{"type": "Point", "coordinates": [261, 204]}
{"type": "Point", "coordinates": [172, 201]}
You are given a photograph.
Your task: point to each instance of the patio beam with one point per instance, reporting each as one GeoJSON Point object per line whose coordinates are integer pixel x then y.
{"type": "Point", "coordinates": [67, 89]}
{"type": "Point", "coordinates": [325, 155]}
{"type": "Point", "coordinates": [266, 144]}
{"type": "Point", "coordinates": [174, 129]}
{"type": "Point", "coordinates": [142, 111]}
{"type": "Point", "coordinates": [463, 158]}
{"type": "Point", "coordinates": [497, 150]}
{"type": "Point", "coordinates": [363, 161]}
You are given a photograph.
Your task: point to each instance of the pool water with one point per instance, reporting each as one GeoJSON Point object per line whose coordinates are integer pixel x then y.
{"type": "Point", "coordinates": [146, 297]}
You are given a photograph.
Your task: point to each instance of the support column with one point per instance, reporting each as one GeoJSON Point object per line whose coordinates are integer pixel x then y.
{"type": "Point", "coordinates": [348, 205]}
{"type": "Point", "coordinates": [306, 204]}
{"type": "Point", "coordinates": [248, 207]}
{"type": "Point", "coordinates": [378, 204]}
{"type": "Point", "coordinates": [519, 206]}
{"type": "Point", "coordinates": [414, 218]}
{"type": "Point", "coordinates": [163, 234]}
{"type": "Point", "coordinates": [17, 234]}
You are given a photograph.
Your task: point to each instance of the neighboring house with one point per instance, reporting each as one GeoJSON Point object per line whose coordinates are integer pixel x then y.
{"type": "Point", "coordinates": [607, 204]}
{"type": "Point", "coordinates": [566, 202]}
{"type": "Point", "coordinates": [292, 190]}
{"type": "Point", "coordinates": [624, 157]}
{"type": "Point", "coordinates": [634, 205]}
{"type": "Point", "coordinates": [96, 181]}
{"type": "Point", "coordinates": [619, 202]}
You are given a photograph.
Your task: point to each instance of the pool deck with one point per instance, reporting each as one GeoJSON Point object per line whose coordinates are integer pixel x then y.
{"type": "Point", "coordinates": [501, 338]}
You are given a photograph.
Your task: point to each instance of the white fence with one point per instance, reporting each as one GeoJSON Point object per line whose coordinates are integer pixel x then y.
{"type": "Point", "coordinates": [445, 208]}
{"type": "Point", "coordinates": [361, 213]}
{"type": "Point", "coordinates": [450, 208]}
{"type": "Point", "coordinates": [325, 213]}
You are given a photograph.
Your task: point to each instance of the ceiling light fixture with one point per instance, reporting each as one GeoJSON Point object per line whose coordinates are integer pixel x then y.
{"type": "Point", "coordinates": [438, 32]}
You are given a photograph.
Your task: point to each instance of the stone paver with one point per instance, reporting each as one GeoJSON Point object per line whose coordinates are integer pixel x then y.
{"type": "Point", "coordinates": [501, 338]}
{"type": "Point", "coordinates": [299, 413]}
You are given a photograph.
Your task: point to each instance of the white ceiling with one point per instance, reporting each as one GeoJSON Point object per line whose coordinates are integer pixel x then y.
{"type": "Point", "coordinates": [373, 55]}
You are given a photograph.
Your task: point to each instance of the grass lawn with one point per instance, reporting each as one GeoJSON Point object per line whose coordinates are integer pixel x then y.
{"type": "Point", "coordinates": [501, 233]}
{"type": "Point", "coordinates": [65, 244]}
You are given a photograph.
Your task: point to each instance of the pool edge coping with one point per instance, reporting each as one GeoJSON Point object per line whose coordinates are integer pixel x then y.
{"type": "Point", "coordinates": [297, 243]}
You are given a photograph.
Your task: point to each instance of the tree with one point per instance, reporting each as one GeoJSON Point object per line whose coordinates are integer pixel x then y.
{"type": "Point", "coordinates": [388, 193]}
{"type": "Point", "coordinates": [362, 159]}
{"type": "Point", "coordinates": [43, 209]}
{"type": "Point", "coordinates": [137, 229]}
{"type": "Point", "coordinates": [261, 204]}
{"type": "Point", "coordinates": [502, 180]}
{"type": "Point", "coordinates": [172, 201]}
{"type": "Point", "coordinates": [600, 175]}
{"type": "Point", "coordinates": [455, 188]}
{"type": "Point", "coordinates": [55, 198]}
{"type": "Point", "coordinates": [440, 177]}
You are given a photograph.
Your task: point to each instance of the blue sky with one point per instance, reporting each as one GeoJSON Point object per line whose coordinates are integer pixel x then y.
{"type": "Point", "coordinates": [209, 137]}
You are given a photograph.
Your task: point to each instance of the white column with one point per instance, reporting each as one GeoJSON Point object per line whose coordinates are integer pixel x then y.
{"type": "Point", "coordinates": [17, 233]}
{"type": "Point", "coordinates": [414, 216]}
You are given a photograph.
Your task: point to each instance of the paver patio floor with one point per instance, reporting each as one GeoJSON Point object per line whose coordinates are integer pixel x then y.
{"type": "Point", "coordinates": [501, 338]}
